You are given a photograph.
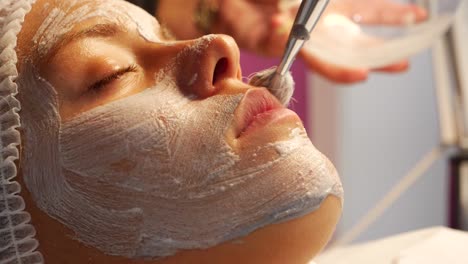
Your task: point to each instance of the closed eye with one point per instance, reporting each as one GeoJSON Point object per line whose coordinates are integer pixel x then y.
{"type": "Point", "coordinates": [112, 77]}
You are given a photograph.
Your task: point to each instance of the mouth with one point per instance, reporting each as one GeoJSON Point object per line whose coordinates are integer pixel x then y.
{"type": "Point", "coordinates": [257, 109]}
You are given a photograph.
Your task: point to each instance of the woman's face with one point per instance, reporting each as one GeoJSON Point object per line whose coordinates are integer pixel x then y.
{"type": "Point", "coordinates": [144, 145]}
{"type": "Point", "coordinates": [106, 58]}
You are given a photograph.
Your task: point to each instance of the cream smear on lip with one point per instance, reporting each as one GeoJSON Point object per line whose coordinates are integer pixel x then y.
{"type": "Point", "coordinates": [152, 173]}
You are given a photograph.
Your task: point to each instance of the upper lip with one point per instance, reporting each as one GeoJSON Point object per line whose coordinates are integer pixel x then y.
{"type": "Point", "coordinates": [255, 102]}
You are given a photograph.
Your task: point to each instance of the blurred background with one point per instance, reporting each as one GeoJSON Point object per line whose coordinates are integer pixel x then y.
{"type": "Point", "coordinates": [374, 133]}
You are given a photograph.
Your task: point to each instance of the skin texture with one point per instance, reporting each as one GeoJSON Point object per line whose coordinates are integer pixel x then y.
{"type": "Point", "coordinates": [295, 241]}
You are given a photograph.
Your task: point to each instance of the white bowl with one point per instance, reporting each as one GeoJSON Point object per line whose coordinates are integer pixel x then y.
{"type": "Point", "coordinates": [340, 39]}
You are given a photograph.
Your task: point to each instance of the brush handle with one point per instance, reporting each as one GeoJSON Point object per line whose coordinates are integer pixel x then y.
{"type": "Point", "coordinates": [307, 16]}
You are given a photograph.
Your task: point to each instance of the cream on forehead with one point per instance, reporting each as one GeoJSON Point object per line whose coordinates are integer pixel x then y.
{"type": "Point", "coordinates": [63, 18]}
{"type": "Point", "coordinates": [151, 173]}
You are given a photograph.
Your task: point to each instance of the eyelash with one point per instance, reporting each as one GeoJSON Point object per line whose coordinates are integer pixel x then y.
{"type": "Point", "coordinates": [112, 77]}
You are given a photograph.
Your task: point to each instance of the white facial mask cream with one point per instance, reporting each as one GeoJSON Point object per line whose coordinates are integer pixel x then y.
{"type": "Point", "coordinates": [152, 173]}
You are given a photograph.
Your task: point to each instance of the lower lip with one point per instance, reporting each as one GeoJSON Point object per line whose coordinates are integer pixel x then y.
{"type": "Point", "coordinates": [271, 117]}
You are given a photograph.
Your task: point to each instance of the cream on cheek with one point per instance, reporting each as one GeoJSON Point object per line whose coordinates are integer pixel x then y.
{"type": "Point", "coordinates": [146, 142]}
{"type": "Point", "coordinates": [116, 174]}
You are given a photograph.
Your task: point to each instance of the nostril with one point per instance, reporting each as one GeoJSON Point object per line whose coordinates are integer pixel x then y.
{"type": "Point", "coordinates": [220, 69]}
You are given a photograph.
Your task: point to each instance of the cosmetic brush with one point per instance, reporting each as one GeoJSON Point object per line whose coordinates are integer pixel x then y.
{"type": "Point", "coordinates": [278, 80]}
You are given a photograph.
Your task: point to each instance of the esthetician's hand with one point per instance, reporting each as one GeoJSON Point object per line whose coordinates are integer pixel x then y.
{"type": "Point", "coordinates": [262, 26]}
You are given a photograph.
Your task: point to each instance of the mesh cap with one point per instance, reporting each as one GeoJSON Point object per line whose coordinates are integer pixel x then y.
{"type": "Point", "coordinates": [17, 242]}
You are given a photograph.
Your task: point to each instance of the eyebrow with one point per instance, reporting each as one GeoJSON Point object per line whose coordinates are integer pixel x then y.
{"type": "Point", "coordinates": [103, 30]}
{"type": "Point", "coordinates": [95, 31]}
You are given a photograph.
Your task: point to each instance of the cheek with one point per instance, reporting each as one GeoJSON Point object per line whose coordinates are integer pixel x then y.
{"type": "Point", "coordinates": [128, 145]}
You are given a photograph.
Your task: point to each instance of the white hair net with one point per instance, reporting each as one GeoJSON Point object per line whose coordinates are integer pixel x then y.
{"type": "Point", "coordinates": [17, 243]}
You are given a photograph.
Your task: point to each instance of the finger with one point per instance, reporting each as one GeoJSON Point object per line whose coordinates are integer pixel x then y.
{"type": "Point", "coordinates": [419, 12]}
{"type": "Point", "coordinates": [379, 11]}
{"type": "Point", "coordinates": [275, 41]}
{"type": "Point", "coordinates": [398, 14]}
{"type": "Point", "coordinates": [337, 74]}
{"type": "Point", "coordinates": [394, 68]}
{"type": "Point", "coordinates": [248, 30]}
{"type": "Point", "coordinates": [280, 28]}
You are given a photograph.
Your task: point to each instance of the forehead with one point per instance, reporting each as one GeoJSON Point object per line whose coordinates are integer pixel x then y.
{"type": "Point", "coordinates": [56, 18]}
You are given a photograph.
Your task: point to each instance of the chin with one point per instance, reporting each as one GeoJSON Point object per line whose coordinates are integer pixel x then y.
{"type": "Point", "coordinates": [295, 241]}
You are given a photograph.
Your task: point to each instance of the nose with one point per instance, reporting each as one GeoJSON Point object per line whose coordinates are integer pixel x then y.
{"type": "Point", "coordinates": [205, 63]}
